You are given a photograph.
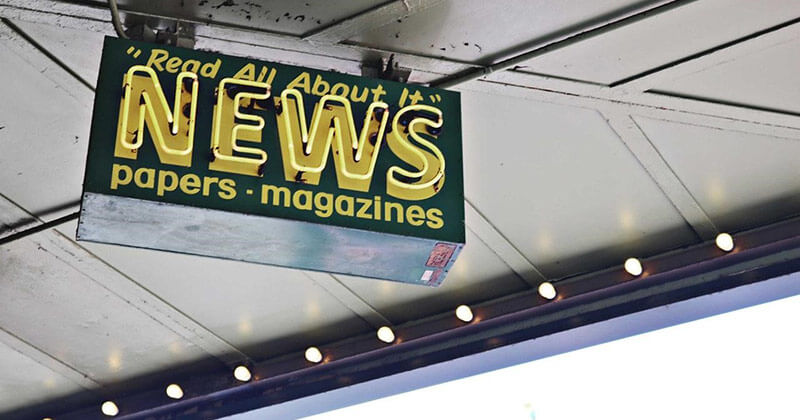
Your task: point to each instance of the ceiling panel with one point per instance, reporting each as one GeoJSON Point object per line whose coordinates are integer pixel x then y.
{"type": "Point", "coordinates": [561, 186]}
{"type": "Point", "coordinates": [741, 180]}
{"type": "Point", "coordinates": [284, 16]}
{"type": "Point", "coordinates": [483, 32]}
{"type": "Point", "coordinates": [747, 80]}
{"type": "Point", "coordinates": [44, 135]}
{"type": "Point", "coordinates": [24, 381]}
{"type": "Point", "coordinates": [245, 304]}
{"type": "Point", "coordinates": [57, 307]}
{"type": "Point", "coordinates": [79, 50]}
{"type": "Point", "coordinates": [477, 275]}
{"type": "Point", "coordinates": [663, 38]}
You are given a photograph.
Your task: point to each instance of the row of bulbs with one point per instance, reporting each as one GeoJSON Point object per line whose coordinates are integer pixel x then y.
{"type": "Point", "coordinates": [385, 334]}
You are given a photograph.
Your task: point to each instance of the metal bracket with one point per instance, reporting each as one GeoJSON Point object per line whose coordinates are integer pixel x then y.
{"type": "Point", "coordinates": [176, 33]}
{"type": "Point", "coordinates": [386, 71]}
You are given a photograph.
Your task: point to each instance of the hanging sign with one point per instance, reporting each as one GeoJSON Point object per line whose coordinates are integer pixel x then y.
{"type": "Point", "coordinates": [208, 154]}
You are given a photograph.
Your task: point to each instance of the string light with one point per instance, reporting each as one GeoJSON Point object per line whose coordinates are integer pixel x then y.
{"type": "Point", "coordinates": [547, 290]}
{"type": "Point", "coordinates": [386, 334]}
{"type": "Point", "coordinates": [464, 313]}
{"type": "Point", "coordinates": [109, 408]}
{"type": "Point", "coordinates": [174, 391]}
{"type": "Point", "coordinates": [633, 266]}
{"type": "Point", "coordinates": [725, 242]}
{"type": "Point", "coordinates": [242, 373]}
{"type": "Point", "coordinates": [313, 355]}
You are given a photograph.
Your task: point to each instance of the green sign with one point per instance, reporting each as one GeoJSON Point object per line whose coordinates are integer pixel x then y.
{"type": "Point", "coordinates": [275, 160]}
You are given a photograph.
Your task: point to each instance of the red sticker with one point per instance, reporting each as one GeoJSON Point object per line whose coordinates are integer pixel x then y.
{"type": "Point", "coordinates": [440, 255]}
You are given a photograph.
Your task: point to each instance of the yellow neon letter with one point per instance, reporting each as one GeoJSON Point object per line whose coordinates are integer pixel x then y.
{"type": "Point", "coordinates": [429, 178]}
{"type": "Point", "coordinates": [232, 96]}
{"type": "Point", "coordinates": [143, 102]}
{"type": "Point", "coordinates": [305, 149]}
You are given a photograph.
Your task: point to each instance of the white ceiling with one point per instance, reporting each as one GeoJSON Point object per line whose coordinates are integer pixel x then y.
{"type": "Point", "coordinates": [563, 173]}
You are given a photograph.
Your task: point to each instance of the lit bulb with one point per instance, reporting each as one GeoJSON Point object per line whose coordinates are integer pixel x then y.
{"type": "Point", "coordinates": [242, 373]}
{"type": "Point", "coordinates": [464, 313]}
{"type": "Point", "coordinates": [725, 242]}
{"type": "Point", "coordinates": [547, 290]}
{"type": "Point", "coordinates": [633, 266]}
{"type": "Point", "coordinates": [385, 334]}
{"type": "Point", "coordinates": [109, 408]}
{"type": "Point", "coordinates": [313, 355]}
{"type": "Point", "coordinates": [174, 391]}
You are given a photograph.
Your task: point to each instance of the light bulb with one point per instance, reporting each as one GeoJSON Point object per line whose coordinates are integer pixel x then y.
{"type": "Point", "coordinates": [174, 391]}
{"type": "Point", "coordinates": [464, 313]}
{"type": "Point", "coordinates": [313, 355]}
{"type": "Point", "coordinates": [109, 408]}
{"type": "Point", "coordinates": [547, 290]}
{"type": "Point", "coordinates": [633, 266]}
{"type": "Point", "coordinates": [725, 242]}
{"type": "Point", "coordinates": [242, 373]}
{"type": "Point", "coordinates": [386, 334]}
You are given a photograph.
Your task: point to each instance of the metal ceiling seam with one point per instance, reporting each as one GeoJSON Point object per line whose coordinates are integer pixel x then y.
{"type": "Point", "coordinates": [369, 19]}
{"type": "Point", "coordinates": [662, 174]}
{"type": "Point", "coordinates": [47, 53]}
{"type": "Point", "coordinates": [781, 33]}
{"type": "Point", "coordinates": [576, 36]}
{"type": "Point", "coordinates": [502, 246]}
{"type": "Point", "coordinates": [161, 311]}
{"type": "Point", "coordinates": [135, 294]}
{"type": "Point", "coordinates": [33, 55]}
{"type": "Point", "coordinates": [47, 360]}
{"type": "Point", "coordinates": [347, 297]}
{"type": "Point", "coordinates": [650, 105]}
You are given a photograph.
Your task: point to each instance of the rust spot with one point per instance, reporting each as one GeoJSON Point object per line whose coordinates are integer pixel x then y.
{"type": "Point", "coordinates": [231, 91]}
{"type": "Point", "coordinates": [434, 131]}
{"type": "Point", "coordinates": [278, 108]}
{"type": "Point", "coordinates": [187, 109]}
{"type": "Point", "coordinates": [299, 177]}
{"type": "Point", "coordinates": [226, 3]}
{"type": "Point", "coordinates": [373, 138]}
{"type": "Point", "coordinates": [210, 155]}
{"type": "Point", "coordinates": [187, 84]}
{"type": "Point", "coordinates": [260, 103]}
{"type": "Point", "coordinates": [261, 169]}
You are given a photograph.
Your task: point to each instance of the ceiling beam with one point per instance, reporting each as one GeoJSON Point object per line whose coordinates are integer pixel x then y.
{"type": "Point", "coordinates": [350, 299]}
{"type": "Point", "coordinates": [662, 174]}
{"type": "Point", "coordinates": [502, 246]}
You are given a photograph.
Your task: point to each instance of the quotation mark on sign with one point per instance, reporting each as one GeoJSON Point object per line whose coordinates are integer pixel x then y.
{"type": "Point", "coordinates": [435, 98]}
{"type": "Point", "coordinates": [135, 51]}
